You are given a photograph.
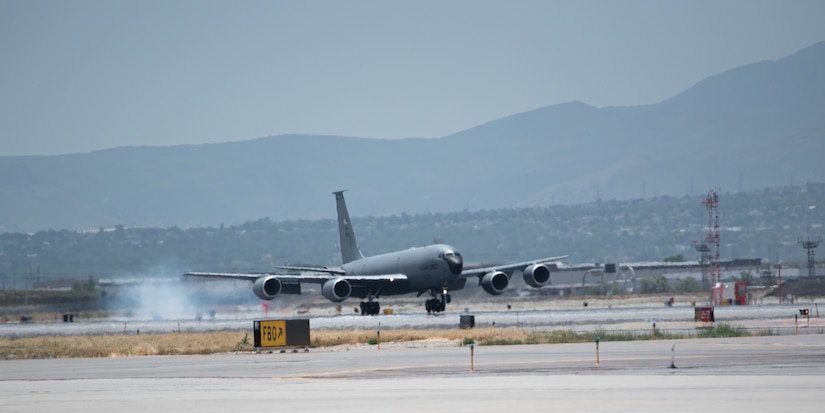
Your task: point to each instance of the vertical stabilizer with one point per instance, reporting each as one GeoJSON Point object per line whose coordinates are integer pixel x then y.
{"type": "Point", "coordinates": [349, 248]}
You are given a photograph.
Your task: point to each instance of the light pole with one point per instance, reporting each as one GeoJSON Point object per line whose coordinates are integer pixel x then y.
{"type": "Point", "coordinates": [779, 276]}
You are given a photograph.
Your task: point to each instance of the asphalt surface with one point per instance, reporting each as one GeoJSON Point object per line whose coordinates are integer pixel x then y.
{"type": "Point", "coordinates": [779, 319]}
{"type": "Point", "coordinates": [771, 373]}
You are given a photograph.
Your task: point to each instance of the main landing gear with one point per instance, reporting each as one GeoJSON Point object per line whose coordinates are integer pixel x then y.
{"type": "Point", "coordinates": [437, 304]}
{"type": "Point", "coordinates": [370, 307]}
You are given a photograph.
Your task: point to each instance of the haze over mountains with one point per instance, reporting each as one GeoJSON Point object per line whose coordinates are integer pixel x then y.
{"type": "Point", "coordinates": [756, 126]}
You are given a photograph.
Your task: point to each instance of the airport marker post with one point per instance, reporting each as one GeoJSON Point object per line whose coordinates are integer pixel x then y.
{"type": "Point", "coordinates": [796, 323]}
{"type": "Point", "coordinates": [597, 350]}
{"type": "Point", "coordinates": [673, 357]}
{"type": "Point", "coordinates": [472, 356]}
{"type": "Point", "coordinates": [654, 330]}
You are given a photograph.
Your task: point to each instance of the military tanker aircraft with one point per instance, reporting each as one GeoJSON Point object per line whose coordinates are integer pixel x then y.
{"type": "Point", "coordinates": [434, 269]}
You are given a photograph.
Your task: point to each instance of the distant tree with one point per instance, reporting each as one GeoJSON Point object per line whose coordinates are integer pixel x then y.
{"type": "Point", "coordinates": [675, 258]}
{"type": "Point", "coordinates": [651, 285]}
{"type": "Point", "coordinates": [688, 285]}
{"type": "Point", "coordinates": [746, 277]}
{"type": "Point", "coordinates": [87, 287]}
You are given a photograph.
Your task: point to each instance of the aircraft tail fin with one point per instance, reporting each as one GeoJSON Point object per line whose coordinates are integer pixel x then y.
{"type": "Point", "coordinates": [349, 247]}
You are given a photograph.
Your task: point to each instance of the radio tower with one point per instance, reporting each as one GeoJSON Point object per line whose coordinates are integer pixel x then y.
{"type": "Point", "coordinates": [711, 202]}
{"type": "Point", "coordinates": [810, 245]}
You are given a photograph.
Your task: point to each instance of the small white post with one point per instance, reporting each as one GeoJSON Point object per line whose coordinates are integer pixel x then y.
{"type": "Point", "coordinates": [673, 357]}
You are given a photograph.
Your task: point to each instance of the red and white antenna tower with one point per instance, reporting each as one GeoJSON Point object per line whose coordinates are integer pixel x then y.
{"type": "Point", "coordinates": [711, 202]}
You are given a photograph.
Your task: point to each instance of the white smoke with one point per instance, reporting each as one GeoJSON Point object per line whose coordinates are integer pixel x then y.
{"type": "Point", "coordinates": [163, 294]}
{"type": "Point", "coordinates": [161, 300]}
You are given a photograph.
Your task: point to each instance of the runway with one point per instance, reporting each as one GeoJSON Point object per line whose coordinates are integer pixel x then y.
{"type": "Point", "coordinates": [772, 373]}
{"type": "Point", "coordinates": [779, 319]}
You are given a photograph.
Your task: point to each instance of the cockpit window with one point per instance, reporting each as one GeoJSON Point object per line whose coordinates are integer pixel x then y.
{"type": "Point", "coordinates": [449, 253]}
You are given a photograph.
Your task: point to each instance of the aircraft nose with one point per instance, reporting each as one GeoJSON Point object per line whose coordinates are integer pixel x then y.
{"type": "Point", "coordinates": [456, 264]}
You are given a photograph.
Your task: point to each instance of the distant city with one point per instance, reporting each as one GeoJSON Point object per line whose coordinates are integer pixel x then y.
{"type": "Point", "coordinates": [771, 225]}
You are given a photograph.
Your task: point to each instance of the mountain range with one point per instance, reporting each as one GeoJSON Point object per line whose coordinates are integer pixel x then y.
{"type": "Point", "coordinates": [757, 126]}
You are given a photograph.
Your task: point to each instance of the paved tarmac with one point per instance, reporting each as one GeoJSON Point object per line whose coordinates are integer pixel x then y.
{"type": "Point", "coordinates": [778, 319]}
{"type": "Point", "coordinates": [773, 373]}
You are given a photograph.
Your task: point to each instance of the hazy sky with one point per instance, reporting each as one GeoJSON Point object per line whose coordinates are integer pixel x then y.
{"type": "Point", "coordinates": [77, 76]}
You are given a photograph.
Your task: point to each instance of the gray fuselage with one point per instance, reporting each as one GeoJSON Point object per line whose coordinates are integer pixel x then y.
{"type": "Point", "coordinates": [425, 267]}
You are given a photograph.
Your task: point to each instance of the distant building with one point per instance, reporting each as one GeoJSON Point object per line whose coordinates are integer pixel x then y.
{"type": "Point", "coordinates": [56, 285]}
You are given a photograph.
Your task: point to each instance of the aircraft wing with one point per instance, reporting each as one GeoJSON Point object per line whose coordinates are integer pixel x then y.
{"type": "Point", "coordinates": [313, 278]}
{"type": "Point", "coordinates": [508, 267]}
{"type": "Point", "coordinates": [312, 269]}
{"type": "Point", "coordinates": [310, 277]}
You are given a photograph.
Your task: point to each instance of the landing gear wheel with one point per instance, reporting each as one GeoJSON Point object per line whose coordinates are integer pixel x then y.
{"type": "Point", "coordinates": [434, 305]}
{"type": "Point", "coordinates": [370, 308]}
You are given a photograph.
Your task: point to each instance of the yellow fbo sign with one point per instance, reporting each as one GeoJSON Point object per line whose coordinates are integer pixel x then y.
{"type": "Point", "coordinates": [280, 333]}
{"type": "Point", "coordinates": [273, 333]}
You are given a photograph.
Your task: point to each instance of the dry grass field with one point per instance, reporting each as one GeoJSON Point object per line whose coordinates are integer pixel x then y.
{"type": "Point", "coordinates": [130, 345]}
{"type": "Point", "coordinates": [127, 345]}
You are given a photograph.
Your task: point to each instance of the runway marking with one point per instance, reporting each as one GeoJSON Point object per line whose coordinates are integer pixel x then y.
{"type": "Point", "coordinates": [327, 375]}
{"type": "Point", "coordinates": [320, 375]}
{"type": "Point", "coordinates": [571, 363]}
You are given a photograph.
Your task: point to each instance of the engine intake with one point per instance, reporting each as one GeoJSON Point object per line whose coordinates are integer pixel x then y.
{"type": "Point", "coordinates": [536, 275]}
{"type": "Point", "coordinates": [267, 288]}
{"type": "Point", "coordinates": [336, 290]}
{"type": "Point", "coordinates": [495, 282]}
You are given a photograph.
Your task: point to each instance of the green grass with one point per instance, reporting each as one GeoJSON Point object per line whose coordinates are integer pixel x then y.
{"type": "Point", "coordinates": [727, 330]}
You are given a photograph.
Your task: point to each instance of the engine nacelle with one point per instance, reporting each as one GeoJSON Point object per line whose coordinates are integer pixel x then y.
{"type": "Point", "coordinates": [495, 282]}
{"type": "Point", "coordinates": [267, 288]}
{"type": "Point", "coordinates": [536, 275]}
{"type": "Point", "coordinates": [336, 290]}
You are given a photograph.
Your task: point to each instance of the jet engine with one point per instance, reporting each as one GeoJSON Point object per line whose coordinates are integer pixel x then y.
{"type": "Point", "coordinates": [267, 288]}
{"type": "Point", "coordinates": [536, 275]}
{"type": "Point", "coordinates": [495, 282]}
{"type": "Point", "coordinates": [336, 290]}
